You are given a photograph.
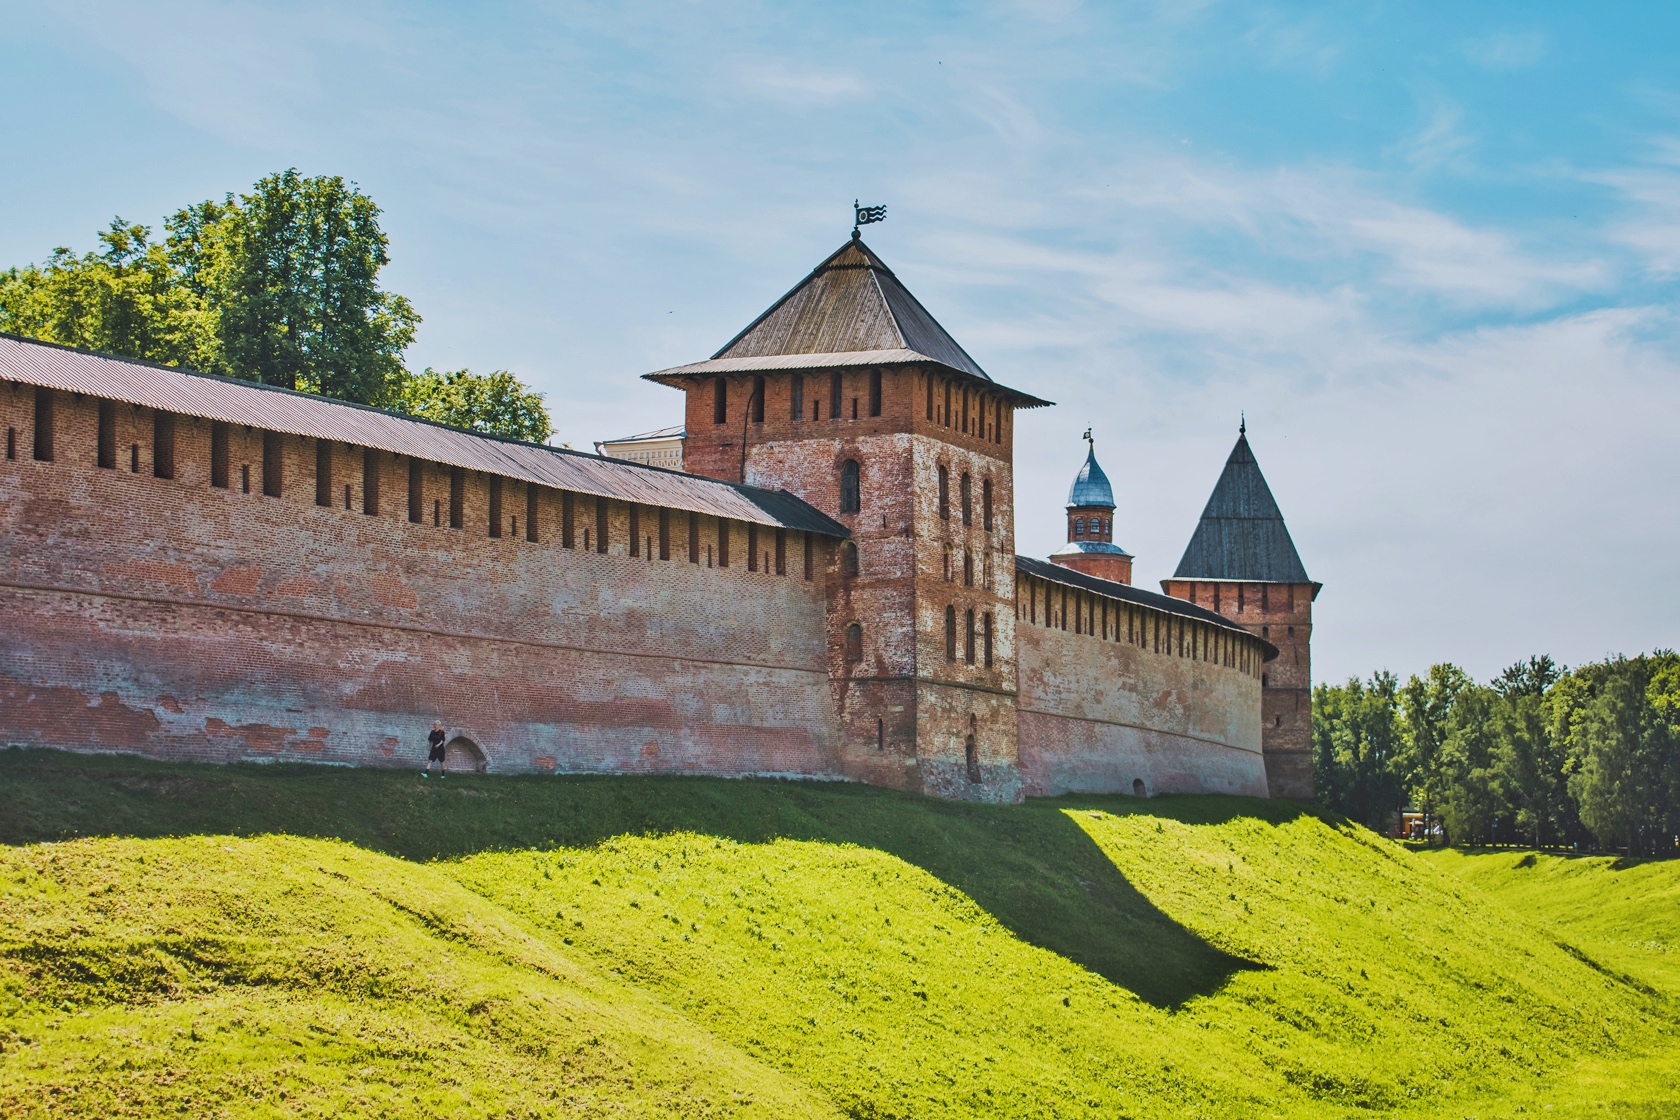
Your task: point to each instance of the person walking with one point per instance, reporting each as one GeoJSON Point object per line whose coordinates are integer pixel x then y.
{"type": "Point", "coordinates": [436, 739]}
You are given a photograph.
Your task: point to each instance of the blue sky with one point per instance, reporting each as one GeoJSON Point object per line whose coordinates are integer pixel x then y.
{"type": "Point", "coordinates": [1433, 251]}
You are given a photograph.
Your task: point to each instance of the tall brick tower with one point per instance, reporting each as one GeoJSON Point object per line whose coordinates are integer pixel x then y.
{"type": "Point", "coordinates": [1090, 525]}
{"type": "Point", "coordinates": [848, 394]}
{"type": "Point", "coordinates": [1242, 564]}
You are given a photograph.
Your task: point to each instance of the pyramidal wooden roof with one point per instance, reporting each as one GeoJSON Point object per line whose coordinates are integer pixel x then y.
{"type": "Point", "coordinates": [850, 311]}
{"type": "Point", "coordinates": [1241, 535]}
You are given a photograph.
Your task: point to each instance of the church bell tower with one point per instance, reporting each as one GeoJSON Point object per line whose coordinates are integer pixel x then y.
{"type": "Point", "coordinates": [1090, 544]}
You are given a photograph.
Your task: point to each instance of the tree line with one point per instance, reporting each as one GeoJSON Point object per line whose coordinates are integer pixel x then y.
{"type": "Point", "coordinates": [281, 286]}
{"type": "Point", "coordinates": [1539, 756]}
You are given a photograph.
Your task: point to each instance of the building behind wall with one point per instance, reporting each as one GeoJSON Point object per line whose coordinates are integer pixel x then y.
{"type": "Point", "coordinates": [1242, 564]}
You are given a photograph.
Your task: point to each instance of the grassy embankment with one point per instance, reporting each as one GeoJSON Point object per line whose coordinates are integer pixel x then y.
{"type": "Point", "coordinates": [307, 941]}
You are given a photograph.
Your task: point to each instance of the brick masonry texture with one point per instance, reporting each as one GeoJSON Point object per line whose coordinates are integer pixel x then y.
{"type": "Point", "coordinates": [334, 621]}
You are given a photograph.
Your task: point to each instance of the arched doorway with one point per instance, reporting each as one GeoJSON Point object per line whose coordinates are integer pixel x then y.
{"type": "Point", "coordinates": [462, 756]}
{"type": "Point", "coordinates": [972, 754]}
{"type": "Point", "coordinates": [1137, 788]}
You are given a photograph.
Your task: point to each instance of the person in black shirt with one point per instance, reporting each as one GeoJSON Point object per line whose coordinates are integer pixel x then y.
{"type": "Point", "coordinates": [436, 739]}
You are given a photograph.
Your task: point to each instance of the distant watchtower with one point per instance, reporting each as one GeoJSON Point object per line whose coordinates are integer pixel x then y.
{"type": "Point", "coordinates": [1242, 564]}
{"type": "Point", "coordinates": [1090, 524]}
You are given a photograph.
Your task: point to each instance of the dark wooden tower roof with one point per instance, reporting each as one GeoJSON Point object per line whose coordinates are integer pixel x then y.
{"type": "Point", "coordinates": [850, 311]}
{"type": "Point", "coordinates": [1242, 535]}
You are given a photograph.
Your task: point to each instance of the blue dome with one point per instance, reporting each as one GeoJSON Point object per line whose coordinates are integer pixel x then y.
{"type": "Point", "coordinates": [1090, 485]}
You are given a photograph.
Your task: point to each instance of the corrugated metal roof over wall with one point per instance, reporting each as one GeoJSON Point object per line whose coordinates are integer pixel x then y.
{"type": "Point", "coordinates": [1126, 593]}
{"type": "Point", "coordinates": [301, 414]}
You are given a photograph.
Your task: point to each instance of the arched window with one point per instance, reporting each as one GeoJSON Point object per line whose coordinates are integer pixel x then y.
{"type": "Point", "coordinates": [986, 505]}
{"type": "Point", "coordinates": [1079, 526]}
{"type": "Point", "coordinates": [965, 490]}
{"type": "Point", "coordinates": [968, 636]}
{"type": "Point", "coordinates": [950, 633]}
{"type": "Point", "coordinates": [848, 559]}
{"type": "Point", "coordinates": [850, 499]}
{"type": "Point", "coordinates": [986, 635]}
{"type": "Point", "coordinates": [968, 569]}
{"type": "Point", "coordinates": [971, 759]}
{"type": "Point", "coordinates": [720, 401]}
{"type": "Point", "coordinates": [945, 493]}
{"type": "Point", "coordinates": [854, 642]}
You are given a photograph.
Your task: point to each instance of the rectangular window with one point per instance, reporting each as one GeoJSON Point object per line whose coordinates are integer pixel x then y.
{"type": "Point", "coordinates": [272, 449]}
{"type": "Point", "coordinates": [947, 416]}
{"type": "Point", "coordinates": [568, 514]}
{"type": "Point", "coordinates": [1063, 611]}
{"type": "Point", "coordinates": [43, 424]}
{"type": "Point", "coordinates": [720, 402]}
{"type": "Point", "coordinates": [532, 498]}
{"type": "Point", "coordinates": [244, 478]}
{"type": "Point", "coordinates": [874, 392]}
{"type": "Point", "coordinates": [810, 557]}
{"type": "Point", "coordinates": [457, 497]}
{"type": "Point", "coordinates": [370, 481]}
{"type": "Point", "coordinates": [757, 402]}
{"type": "Point", "coordinates": [987, 634]}
{"type": "Point", "coordinates": [323, 472]}
{"type": "Point", "coordinates": [968, 636]}
{"type": "Point", "coordinates": [495, 505]}
{"type": "Point", "coordinates": [930, 398]}
{"type": "Point", "coordinates": [163, 444]}
{"type": "Point", "coordinates": [635, 529]}
{"type": "Point", "coordinates": [108, 435]}
{"type": "Point", "coordinates": [416, 491]}
{"type": "Point", "coordinates": [602, 516]}
{"type": "Point", "coordinates": [218, 455]}
{"type": "Point", "coordinates": [694, 538]}
{"type": "Point", "coordinates": [752, 547]}
{"type": "Point", "coordinates": [664, 533]}
{"type": "Point", "coordinates": [723, 543]}
{"type": "Point", "coordinates": [836, 391]}
{"type": "Point", "coordinates": [11, 443]}
{"type": "Point", "coordinates": [965, 411]}
{"type": "Point", "coordinates": [796, 401]}
{"type": "Point", "coordinates": [781, 552]}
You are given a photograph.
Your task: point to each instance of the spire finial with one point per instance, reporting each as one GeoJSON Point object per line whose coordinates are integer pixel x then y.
{"type": "Point", "coordinates": [866, 215]}
{"type": "Point", "coordinates": [1242, 424]}
{"type": "Point", "coordinates": [1087, 438]}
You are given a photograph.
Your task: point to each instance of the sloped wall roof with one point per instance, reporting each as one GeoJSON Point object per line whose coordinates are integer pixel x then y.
{"type": "Point", "coordinates": [232, 401]}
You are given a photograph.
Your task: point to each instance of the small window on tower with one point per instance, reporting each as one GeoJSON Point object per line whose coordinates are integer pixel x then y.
{"type": "Point", "coordinates": [1079, 526]}
{"type": "Point", "coordinates": [965, 490]}
{"type": "Point", "coordinates": [854, 642]}
{"type": "Point", "coordinates": [836, 392]}
{"type": "Point", "coordinates": [416, 491]}
{"type": "Point", "coordinates": [796, 401]}
{"type": "Point", "coordinates": [851, 499]}
{"type": "Point", "coordinates": [950, 633]}
{"type": "Point", "coordinates": [848, 559]}
{"type": "Point", "coordinates": [108, 434]}
{"type": "Point", "coordinates": [874, 392]}
{"type": "Point", "coordinates": [218, 455]}
{"type": "Point", "coordinates": [758, 400]}
{"type": "Point", "coordinates": [986, 505]}
{"type": "Point", "coordinates": [720, 401]}
{"type": "Point", "coordinates": [163, 444]}
{"type": "Point", "coordinates": [944, 493]}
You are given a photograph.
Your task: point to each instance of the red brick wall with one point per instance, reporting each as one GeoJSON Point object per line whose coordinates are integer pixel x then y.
{"type": "Point", "coordinates": [1281, 613]}
{"type": "Point", "coordinates": [175, 619]}
{"type": "Point", "coordinates": [1111, 693]}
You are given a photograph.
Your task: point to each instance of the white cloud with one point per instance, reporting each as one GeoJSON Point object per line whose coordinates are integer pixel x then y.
{"type": "Point", "coordinates": [1505, 51]}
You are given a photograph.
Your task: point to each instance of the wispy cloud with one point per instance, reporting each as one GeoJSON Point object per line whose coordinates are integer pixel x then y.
{"type": "Point", "coordinates": [1506, 51]}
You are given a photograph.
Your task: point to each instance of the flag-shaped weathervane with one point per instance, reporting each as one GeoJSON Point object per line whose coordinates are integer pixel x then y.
{"type": "Point", "coordinates": [866, 215]}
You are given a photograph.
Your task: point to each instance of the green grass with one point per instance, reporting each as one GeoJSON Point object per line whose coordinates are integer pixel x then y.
{"type": "Point", "coordinates": [312, 941]}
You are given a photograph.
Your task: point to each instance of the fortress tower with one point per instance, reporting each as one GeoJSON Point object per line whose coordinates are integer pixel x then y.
{"type": "Point", "coordinates": [848, 394]}
{"type": "Point", "coordinates": [1241, 563]}
{"type": "Point", "coordinates": [1090, 524]}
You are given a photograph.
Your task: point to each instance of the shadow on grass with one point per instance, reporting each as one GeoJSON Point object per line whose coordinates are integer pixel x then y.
{"type": "Point", "coordinates": [1029, 866]}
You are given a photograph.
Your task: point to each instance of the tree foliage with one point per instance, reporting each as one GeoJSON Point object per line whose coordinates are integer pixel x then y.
{"type": "Point", "coordinates": [279, 285]}
{"type": "Point", "coordinates": [1538, 755]}
{"type": "Point", "coordinates": [497, 403]}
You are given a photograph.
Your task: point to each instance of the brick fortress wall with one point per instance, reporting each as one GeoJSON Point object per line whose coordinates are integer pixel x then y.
{"type": "Point", "coordinates": [178, 619]}
{"type": "Point", "coordinates": [1112, 693]}
{"type": "Point", "coordinates": [1281, 613]}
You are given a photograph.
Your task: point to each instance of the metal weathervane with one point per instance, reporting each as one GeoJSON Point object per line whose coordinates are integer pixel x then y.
{"type": "Point", "coordinates": [866, 215]}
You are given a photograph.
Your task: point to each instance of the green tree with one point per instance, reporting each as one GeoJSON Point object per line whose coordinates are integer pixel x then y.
{"type": "Point", "coordinates": [1628, 783]}
{"type": "Point", "coordinates": [1426, 705]}
{"type": "Point", "coordinates": [291, 271]}
{"type": "Point", "coordinates": [1472, 793]}
{"type": "Point", "coordinates": [496, 403]}
{"type": "Point", "coordinates": [1357, 743]}
{"type": "Point", "coordinates": [124, 300]}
